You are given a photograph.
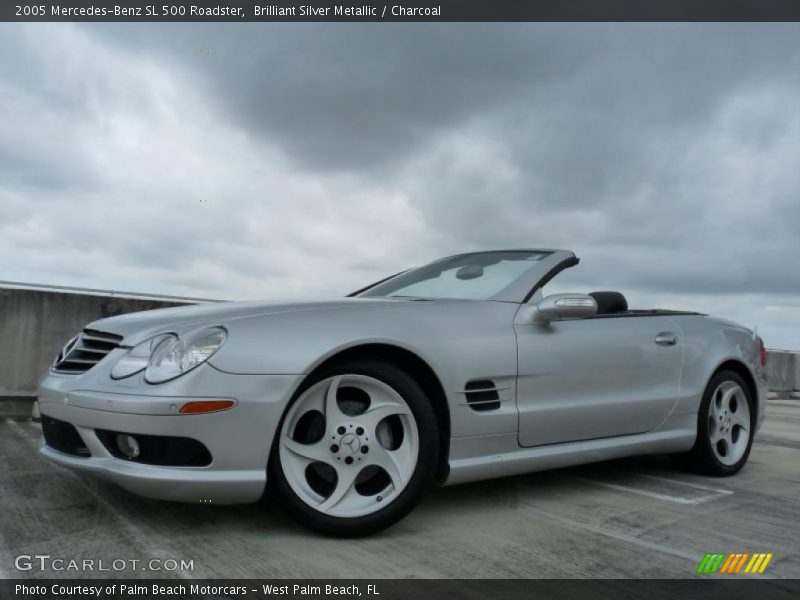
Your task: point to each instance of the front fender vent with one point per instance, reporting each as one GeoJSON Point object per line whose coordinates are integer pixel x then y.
{"type": "Point", "coordinates": [482, 395]}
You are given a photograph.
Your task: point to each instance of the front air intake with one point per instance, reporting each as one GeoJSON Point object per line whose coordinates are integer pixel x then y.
{"type": "Point", "coordinates": [85, 351]}
{"type": "Point", "coordinates": [160, 450]}
{"type": "Point", "coordinates": [63, 437]}
{"type": "Point", "coordinates": [482, 395]}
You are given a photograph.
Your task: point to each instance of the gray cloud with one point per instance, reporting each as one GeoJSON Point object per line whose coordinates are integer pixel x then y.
{"type": "Point", "coordinates": [329, 155]}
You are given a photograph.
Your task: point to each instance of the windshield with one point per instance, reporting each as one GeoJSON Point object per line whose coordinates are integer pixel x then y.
{"type": "Point", "coordinates": [477, 276]}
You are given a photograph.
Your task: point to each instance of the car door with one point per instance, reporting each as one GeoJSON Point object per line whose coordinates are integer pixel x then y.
{"type": "Point", "coordinates": [596, 377]}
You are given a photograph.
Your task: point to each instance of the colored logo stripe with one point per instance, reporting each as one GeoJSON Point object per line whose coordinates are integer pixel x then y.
{"type": "Point", "coordinates": [741, 562]}
{"type": "Point", "coordinates": [733, 563]}
{"type": "Point", "coordinates": [732, 559]}
{"type": "Point", "coordinates": [758, 563]}
{"type": "Point", "coordinates": [710, 563]}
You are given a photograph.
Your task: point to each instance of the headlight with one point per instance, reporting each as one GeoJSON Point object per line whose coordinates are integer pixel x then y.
{"type": "Point", "coordinates": [136, 358]}
{"type": "Point", "coordinates": [178, 356]}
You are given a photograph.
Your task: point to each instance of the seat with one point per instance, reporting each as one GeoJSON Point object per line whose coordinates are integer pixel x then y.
{"type": "Point", "coordinates": [609, 303]}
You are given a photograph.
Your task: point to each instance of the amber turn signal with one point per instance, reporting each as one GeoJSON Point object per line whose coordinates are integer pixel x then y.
{"type": "Point", "coordinates": [206, 406]}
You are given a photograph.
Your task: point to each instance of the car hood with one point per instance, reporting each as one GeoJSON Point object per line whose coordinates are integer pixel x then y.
{"type": "Point", "coordinates": [138, 326]}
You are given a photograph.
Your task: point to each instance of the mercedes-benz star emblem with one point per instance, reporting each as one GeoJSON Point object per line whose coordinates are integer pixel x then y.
{"type": "Point", "coordinates": [350, 443]}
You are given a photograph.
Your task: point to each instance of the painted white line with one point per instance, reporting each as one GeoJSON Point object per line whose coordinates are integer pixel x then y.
{"type": "Point", "coordinates": [4, 574]}
{"type": "Point", "coordinates": [679, 482]}
{"type": "Point", "coordinates": [5, 554]}
{"type": "Point", "coordinates": [27, 432]}
{"type": "Point", "coordinates": [618, 535]}
{"type": "Point", "coordinates": [656, 495]}
{"type": "Point", "coordinates": [581, 527]}
{"type": "Point", "coordinates": [131, 528]}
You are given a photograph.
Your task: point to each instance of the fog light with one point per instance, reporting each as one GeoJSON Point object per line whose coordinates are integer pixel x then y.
{"type": "Point", "coordinates": [128, 445]}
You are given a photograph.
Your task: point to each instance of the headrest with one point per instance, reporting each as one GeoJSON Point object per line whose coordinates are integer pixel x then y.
{"type": "Point", "coordinates": [609, 302]}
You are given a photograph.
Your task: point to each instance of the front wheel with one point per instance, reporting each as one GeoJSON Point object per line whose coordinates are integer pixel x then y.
{"type": "Point", "coordinates": [725, 427]}
{"type": "Point", "coordinates": [355, 450]}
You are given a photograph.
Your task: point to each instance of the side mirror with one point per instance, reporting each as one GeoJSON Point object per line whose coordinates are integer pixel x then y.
{"type": "Point", "coordinates": [564, 306]}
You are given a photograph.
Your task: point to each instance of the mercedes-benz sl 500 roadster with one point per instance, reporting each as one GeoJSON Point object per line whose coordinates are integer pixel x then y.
{"type": "Point", "coordinates": [346, 411]}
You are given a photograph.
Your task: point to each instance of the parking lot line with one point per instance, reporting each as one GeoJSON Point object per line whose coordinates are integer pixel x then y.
{"type": "Point", "coordinates": [617, 535]}
{"type": "Point", "coordinates": [778, 442]}
{"type": "Point", "coordinates": [28, 433]}
{"type": "Point", "coordinates": [680, 482]}
{"type": "Point", "coordinates": [5, 558]}
{"type": "Point", "coordinates": [131, 528]}
{"type": "Point", "coordinates": [609, 477]}
{"type": "Point", "coordinates": [658, 495]}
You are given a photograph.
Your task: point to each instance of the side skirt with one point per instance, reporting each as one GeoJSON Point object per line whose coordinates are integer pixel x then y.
{"type": "Point", "coordinates": [487, 457]}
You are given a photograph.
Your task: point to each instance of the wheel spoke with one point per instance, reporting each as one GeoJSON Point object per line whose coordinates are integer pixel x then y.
{"type": "Point", "coordinates": [376, 414]}
{"type": "Point", "coordinates": [742, 420]}
{"type": "Point", "coordinates": [380, 457]}
{"type": "Point", "coordinates": [345, 478]}
{"type": "Point", "coordinates": [311, 452]}
{"type": "Point", "coordinates": [726, 397]}
{"type": "Point", "coordinates": [332, 413]}
{"type": "Point", "coordinates": [715, 410]}
{"type": "Point", "coordinates": [716, 435]}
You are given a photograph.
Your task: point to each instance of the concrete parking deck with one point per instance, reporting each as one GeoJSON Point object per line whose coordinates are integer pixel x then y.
{"type": "Point", "coordinates": [627, 518]}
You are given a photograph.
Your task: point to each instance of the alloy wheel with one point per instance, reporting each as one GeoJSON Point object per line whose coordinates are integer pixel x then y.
{"type": "Point", "coordinates": [349, 445]}
{"type": "Point", "coordinates": [729, 423]}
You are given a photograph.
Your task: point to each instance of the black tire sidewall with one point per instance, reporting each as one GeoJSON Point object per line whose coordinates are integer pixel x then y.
{"type": "Point", "coordinates": [421, 480]}
{"type": "Point", "coordinates": [703, 456]}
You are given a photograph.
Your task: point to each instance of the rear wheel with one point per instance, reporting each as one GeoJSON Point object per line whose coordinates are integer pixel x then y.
{"type": "Point", "coordinates": [355, 450]}
{"type": "Point", "coordinates": [725, 427]}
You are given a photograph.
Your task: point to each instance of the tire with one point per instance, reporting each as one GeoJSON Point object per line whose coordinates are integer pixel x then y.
{"type": "Point", "coordinates": [727, 413]}
{"type": "Point", "coordinates": [319, 469]}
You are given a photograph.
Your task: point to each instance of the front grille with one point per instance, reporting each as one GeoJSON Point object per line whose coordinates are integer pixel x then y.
{"type": "Point", "coordinates": [85, 351]}
{"type": "Point", "coordinates": [63, 437]}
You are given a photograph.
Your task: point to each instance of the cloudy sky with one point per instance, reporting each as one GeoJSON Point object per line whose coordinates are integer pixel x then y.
{"type": "Point", "coordinates": [305, 160]}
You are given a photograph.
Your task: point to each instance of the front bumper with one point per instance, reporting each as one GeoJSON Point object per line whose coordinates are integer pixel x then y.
{"type": "Point", "coordinates": [238, 439]}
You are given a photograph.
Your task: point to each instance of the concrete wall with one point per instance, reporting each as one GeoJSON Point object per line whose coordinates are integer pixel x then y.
{"type": "Point", "coordinates": [783, 370]}
{"type": "Point", "coordinates": [35, 324]}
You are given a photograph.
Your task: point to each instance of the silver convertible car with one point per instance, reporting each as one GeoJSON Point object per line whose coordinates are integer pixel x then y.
{"type": "Point", "coordinates": [346, 411]}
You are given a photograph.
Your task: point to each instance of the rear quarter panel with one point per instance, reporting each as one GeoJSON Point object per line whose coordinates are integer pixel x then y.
{"type": "Point", "coordinates": [709, 342]}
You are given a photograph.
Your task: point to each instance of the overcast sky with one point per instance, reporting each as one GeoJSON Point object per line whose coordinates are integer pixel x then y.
{"type": "Point", "coordinates": [306, 160]}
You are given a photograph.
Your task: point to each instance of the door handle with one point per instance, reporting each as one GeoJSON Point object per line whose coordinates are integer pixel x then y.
{"type": "Point", "coordinates": [666, 338]}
